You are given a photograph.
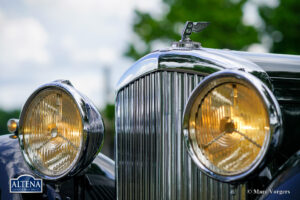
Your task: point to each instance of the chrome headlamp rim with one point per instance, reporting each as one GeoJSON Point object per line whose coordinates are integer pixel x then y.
{"type": "Point", "coordinates": [92, 127]}
{"type": "Point", "coordinates": [270, 103]}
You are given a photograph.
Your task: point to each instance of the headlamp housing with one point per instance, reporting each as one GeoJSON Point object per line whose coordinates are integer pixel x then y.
{"type": "Point", "coordinates": [231, 122]}
{"type": "Point", "coordinates": [60, 131]}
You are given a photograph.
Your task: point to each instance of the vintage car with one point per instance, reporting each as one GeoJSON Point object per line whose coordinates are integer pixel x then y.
{"type": "Point", "coordinates": [191, 123]}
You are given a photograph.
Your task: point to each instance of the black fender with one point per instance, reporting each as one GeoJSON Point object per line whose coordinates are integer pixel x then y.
{"type": "Point", "coordinates": [97, 181]}
{"type": "Point", "coordinates": [286, 184]}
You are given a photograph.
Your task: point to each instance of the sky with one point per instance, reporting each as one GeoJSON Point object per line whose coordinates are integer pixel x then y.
{"type": "Point", "coordinates": [43, 41]}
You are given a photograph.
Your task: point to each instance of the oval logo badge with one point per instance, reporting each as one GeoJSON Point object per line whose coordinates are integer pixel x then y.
{"type": "Point", "coordinates": [25, 184]}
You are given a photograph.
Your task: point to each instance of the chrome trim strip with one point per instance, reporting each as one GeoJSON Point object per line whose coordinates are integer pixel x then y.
{"type": "Point", "coordinates": [270, 102]}
{"type": "Point", "coordinates": [106, 164]}
{"type": "Point", "coordinates": [201, 61]}
{"type": "Point", "coordinates": [271, 62]}
{"type": "Point", "coordinates": [93, 128]}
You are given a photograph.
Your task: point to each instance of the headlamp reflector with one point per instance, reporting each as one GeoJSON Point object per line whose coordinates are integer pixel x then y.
{"type": "Point", "coordinates": [232, 126]}
{"type": "Point", "coordinates": [60, 131]}
{"type": "Point", "coordinates": [230, 122]}
{"type": "Point", "coordinates": [52, 131]}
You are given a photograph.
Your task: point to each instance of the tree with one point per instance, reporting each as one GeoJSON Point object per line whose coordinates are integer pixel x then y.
{"type": "Point", "coordinates": [108, 115]}
{"type": "Point", "coordinates": [226, 30]}
{"type": "Point", "coordinates": [283, 25]}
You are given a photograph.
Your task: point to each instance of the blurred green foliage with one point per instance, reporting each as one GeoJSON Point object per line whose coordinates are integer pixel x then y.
{"type": "Point", "coordinates": [108, 115]}
{"type": "Point", "coordinates": [109, 112]}
{"type": "Point", "coordinates": [226, 31]}
{"type": "Point", "coordinates": [283, 25]}
{"type": "Point", "coordinates": [4, 117]}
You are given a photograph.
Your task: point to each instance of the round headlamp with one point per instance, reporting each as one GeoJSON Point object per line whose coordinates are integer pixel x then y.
{"type": "Point", "coordinates": [231, 120]}
{"type": "Point", "coordinates": [60, 131]}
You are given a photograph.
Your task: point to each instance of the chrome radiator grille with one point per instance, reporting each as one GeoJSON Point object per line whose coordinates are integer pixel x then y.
{"type": "Point", "coordinates": [151, 158]}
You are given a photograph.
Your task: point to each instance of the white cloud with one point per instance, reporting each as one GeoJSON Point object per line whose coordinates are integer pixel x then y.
{"type": "Point", "coordinates": [22, 40]}
{"type": "Point", "coordinates": [13, 96]}
{"type": "Point", "coordinates": [74, 39]}
{"type": "Point", "coordinates": [77, 53]}
{"type": "Point", "coordinates": [97, 7]}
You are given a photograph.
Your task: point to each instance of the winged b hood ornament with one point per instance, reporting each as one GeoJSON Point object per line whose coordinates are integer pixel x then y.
{"type": "Point", "coordinates": [189, 28]}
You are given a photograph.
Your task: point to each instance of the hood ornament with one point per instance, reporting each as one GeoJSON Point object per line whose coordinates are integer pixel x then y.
{"type": "Point", "coordinates": [189, 28]}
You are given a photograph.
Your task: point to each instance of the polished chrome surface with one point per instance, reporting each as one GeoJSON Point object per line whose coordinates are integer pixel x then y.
{"type": "Point", "coordinates": [186, 45]}
{"type": "Point", "coordinates": [270, 102]}
{"type": "Point", "coordinates": [106, 164]}
{"type": "Point", "coordinates": [271, 62]}
{"type": "Point", "coordinates": [202, 61]}
{"type": "Point", "coordinates": [152, 161]}
{"type": "Point", "coordinates": [93, 128]}
{"type": "Point", "coordinates": [13, 126]}
{"type": "Point", "coordinates": [189, 28]}
{"type": "Point", "coordinates": [284, 73]}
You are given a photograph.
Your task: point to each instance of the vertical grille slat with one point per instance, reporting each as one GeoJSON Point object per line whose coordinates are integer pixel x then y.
{"type": "Point", "coordinates": [126, 139]}
{"type": "Point", "coordinates": [152, 137]}
{"type": "Point", "coordinates": [152, 161]}
{"type": "Point", "coordinates": [130, 146]}
{"type": "Point", "coordinates": [158, 136]}
{"type": "Point", "coordinates": [135, 142]}
{"type": "Point", "coordinates": [185, 166]}
{"type": "Point", "coordinates": [141, 141]}
{"type": "Point", "coordinates": [164, 144]}
{"type": "Point", "coordinates": [146, 137]}
{"type": "Point", "coordinates": [178, 111]}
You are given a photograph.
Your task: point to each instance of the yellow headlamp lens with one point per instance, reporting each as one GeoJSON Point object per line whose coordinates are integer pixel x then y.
{"type": "Point", "coordinates": [231, 126]}
{"type": "Point", "coordinates": [52, 132]}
